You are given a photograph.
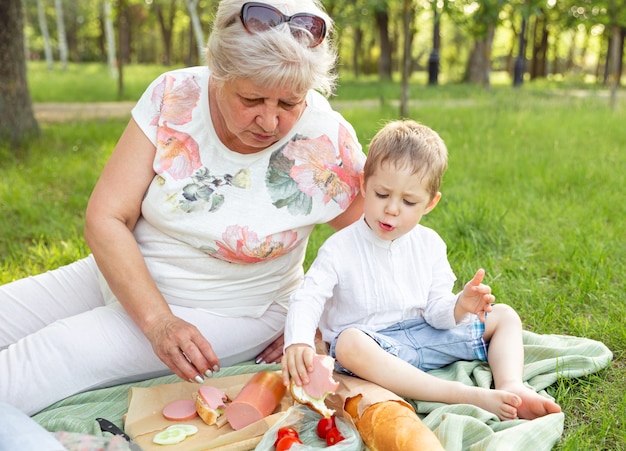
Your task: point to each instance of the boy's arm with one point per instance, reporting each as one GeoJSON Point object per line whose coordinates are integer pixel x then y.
{"type": "Point", "coordinates": [305, 309]}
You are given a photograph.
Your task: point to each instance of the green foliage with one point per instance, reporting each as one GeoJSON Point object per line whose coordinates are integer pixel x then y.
{"type": "Point", "coordinates": [534, 194]}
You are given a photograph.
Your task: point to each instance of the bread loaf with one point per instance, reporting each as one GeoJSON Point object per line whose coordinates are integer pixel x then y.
{"type": "Point", "coordinates": [391, 426]}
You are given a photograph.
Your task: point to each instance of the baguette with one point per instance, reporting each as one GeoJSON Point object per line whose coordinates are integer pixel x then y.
{"type": "Point", "coordinates": [391, 426]}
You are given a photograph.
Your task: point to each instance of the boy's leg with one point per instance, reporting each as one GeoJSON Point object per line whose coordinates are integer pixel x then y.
{"type": "Point", "coordinates": [360, 354]}
{"type": "Point", "coordinates": [503, 332]}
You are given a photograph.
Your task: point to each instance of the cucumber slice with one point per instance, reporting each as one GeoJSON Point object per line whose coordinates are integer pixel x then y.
{"type": "Point", "coordinates": [188, 429]}
{"type": "Point", "coordinates": [170, 436]}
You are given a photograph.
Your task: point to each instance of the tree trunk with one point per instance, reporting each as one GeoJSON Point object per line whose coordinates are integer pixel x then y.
{"type": "Point", "coordinates": [124, 40]}
{"type": "Point", "coordinates": [607, 60]}
{"type": "Point", "coordinates": [620, 56]}
{"type": "Point", "coordinates": [110, 37]}
{"type": "Point", "coordinates": [614, 59]}
{"type": "Point", "coordinates": [167, 26]}
{"type": "Point", "coordinates": [407, 17]}
{"type": "Point", "coordinates": [43, 25]}
{"type": "Point", "coordinates": [519, 67]}
{"type": "Point", "coordinates": [61, 36]}
{"type": "Point", "coordinates": [540, 48]}
{"type": "Point", "coordinates": [192, 58]}
{"type": "Point", "coordinates": [123, 44]}
{"type": "Point", "coordinates": [17, 121]}
{"type": "Point", "coordinates": [384, 64]}
{"type": "Point", "coordinates": [75, 44]}
{"type": "Point", "coordinates": [356, 52]}
{"type": "Point", "coordinates": [434, 58]}
{"type": "Point", "coordinates": [192, 6]}
{"type": "Point", "coordinates": [479, 63]}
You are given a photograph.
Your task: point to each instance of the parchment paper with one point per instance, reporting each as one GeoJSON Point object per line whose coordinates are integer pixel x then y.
{"type": "Point", "coordinates": [144, 418]}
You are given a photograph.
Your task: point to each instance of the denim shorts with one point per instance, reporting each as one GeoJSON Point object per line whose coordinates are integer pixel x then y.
{"type": "Point", "coordinates": [425, 347]}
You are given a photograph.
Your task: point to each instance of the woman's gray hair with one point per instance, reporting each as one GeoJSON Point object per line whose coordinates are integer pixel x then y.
{"type": "Point", "coordinates": [272, 58]}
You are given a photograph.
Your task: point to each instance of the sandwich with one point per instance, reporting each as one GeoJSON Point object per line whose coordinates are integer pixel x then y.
{"type": "Point", "coordinates": [321, 384]}
{"type": "Point", "coordinates": [210, 404]}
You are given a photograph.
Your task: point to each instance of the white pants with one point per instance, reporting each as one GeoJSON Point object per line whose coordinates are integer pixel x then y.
{"type": "Point", "coordinates": [58, 338]}
{"type": "Point", "coordinates": [19, 432]}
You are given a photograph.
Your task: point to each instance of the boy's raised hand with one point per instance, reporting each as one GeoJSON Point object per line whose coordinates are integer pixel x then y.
{"type": "Point", "coordinates": [297, 362]}
{"type": "Point", "coordinates": [476, 297]}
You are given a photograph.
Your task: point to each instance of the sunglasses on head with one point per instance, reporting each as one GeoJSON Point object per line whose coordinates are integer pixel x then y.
{"type": "Point", "coordinates": [258, 17]}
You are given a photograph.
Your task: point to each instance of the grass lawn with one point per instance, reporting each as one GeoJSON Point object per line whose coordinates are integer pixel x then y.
{"type": "Point", "coordinates": [534, 194]}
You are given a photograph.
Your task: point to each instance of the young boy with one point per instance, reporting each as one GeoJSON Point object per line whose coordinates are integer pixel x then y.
{"type": "Point", "coordinates": [380, 292]}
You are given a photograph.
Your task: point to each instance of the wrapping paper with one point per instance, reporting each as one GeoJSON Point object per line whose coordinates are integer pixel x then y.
{"type": "Point", "coordinates": [144, 418]}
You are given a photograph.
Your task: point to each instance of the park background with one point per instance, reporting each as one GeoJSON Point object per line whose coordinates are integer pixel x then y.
{"type": "Point", "coordinates": [535, 129]}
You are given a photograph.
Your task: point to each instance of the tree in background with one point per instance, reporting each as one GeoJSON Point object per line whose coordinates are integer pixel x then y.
{"type": "Point", "coordinates": [408, 15]}
{"type": "Point", "coordinates": [166, 15]}
{"type": "Point", "coordinates": [43, 26]}
{"type": "Point", "coordinates": [192, 7]}
{"type": "Point", "coordinates": [109, 34]}
{"type": "Point", "coordinates": [17, 120]}
{"type": "Point", "coordinates": [480, 19]}
{"type": "Point", "coordinates": [58, 6]}
{"type": "Point", "coordinates": [479, 36]}
{"type": "Point", "coordinates": [614, 61]}
{"type": "Point", "coordinates": [381, 13]}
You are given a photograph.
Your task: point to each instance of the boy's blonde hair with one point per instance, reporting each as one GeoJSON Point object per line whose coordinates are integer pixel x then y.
{"type": "Point", "coordinates": [408, 144]}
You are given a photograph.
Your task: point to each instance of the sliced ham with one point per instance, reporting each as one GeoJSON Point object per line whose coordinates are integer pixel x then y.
{"type": "Point", "coordinates": [321, 382]}
{"type": "Point", "coordinates": [213, 397]}
{"type": "Point", "coordinates": [181, 410]}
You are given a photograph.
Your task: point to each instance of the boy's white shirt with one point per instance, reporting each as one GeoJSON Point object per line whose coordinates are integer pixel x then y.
{"type": "Point", "coordinates": [361, 280]}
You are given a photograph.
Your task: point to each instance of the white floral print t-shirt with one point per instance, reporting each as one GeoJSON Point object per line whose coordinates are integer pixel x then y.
{"type": "Point", "coordinates": [227, 232]}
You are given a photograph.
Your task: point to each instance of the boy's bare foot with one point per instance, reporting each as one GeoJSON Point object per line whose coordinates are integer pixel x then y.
{"type": "Point", "coordinates": [503, 404]}
{"type": "Point", "coordinates": [533, 405]}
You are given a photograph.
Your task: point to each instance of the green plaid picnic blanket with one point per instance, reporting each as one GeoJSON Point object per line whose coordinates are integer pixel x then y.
{"type": "Point", "coordinates": [459, 427]}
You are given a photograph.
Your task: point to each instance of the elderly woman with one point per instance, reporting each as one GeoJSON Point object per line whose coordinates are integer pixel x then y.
{"type": "Point", "coordinates": [199, 222]}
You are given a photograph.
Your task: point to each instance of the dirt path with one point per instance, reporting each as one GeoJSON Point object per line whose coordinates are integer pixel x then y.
{"type": "Point", "coordinates": [63, 112]}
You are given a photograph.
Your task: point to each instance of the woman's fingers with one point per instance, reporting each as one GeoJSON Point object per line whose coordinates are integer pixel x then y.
{"type": "Point", "coordinates": [184, 350]}
{"type": "Point", "coordinates": [273, 353]}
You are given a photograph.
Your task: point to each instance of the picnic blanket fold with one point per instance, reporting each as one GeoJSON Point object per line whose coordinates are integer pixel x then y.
{"type": "Point", "coordinates": [547, 359]}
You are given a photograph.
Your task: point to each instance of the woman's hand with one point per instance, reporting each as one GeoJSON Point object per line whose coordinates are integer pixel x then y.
{"type": "Point", "coordinates": [182, 347]}
{"type": "Point", "coordinates": [475, 298]}
{"type": "Point", "coordinates": [297, 363]}
{"type": "Point", "coordinates": [273, 353]}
